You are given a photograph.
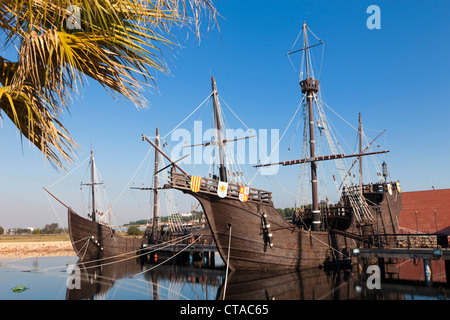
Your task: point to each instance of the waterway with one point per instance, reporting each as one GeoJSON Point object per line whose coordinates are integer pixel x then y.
{"type": "Point", "coordinates": [63, 278]}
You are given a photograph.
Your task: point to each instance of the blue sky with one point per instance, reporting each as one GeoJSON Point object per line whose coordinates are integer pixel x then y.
{"type": "Point", "coordinates": [397, 77]}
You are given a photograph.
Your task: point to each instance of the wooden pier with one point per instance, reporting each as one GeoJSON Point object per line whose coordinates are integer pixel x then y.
{"type": "Point", "coordinates": [195, 248]}
{"type": "Point", "coordinates": [387, 249]}
{"type": "Point", "coordinates": [406, 246]}
{"type": "Point", "coordinates": [404, 253]}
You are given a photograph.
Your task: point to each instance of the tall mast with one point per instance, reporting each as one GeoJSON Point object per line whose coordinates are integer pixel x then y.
{"type": "Point", "coordinates": [222, 168]}
{"type": "Point", "coordinates": [310, 87]}
{"type": "Point", "coordinates": [305, 46]}
{"type": "Point", "coordinates": [360, 158]}
{"type": "Point", "coordinates": [155, 189]}
{"type": "Point", "coordinates": [92, 186]}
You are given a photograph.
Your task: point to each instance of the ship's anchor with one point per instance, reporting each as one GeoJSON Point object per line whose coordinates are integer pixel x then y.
{"type": "Point", "coordinates": [266, 230]}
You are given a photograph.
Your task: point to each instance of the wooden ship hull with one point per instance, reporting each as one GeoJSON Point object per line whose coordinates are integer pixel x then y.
{"type": "Point", "coordinates": [252, 235]}
{"type": "Point", "coordinates": [388, 204]}
{"type": "Point", "coordinates": [92, 240]}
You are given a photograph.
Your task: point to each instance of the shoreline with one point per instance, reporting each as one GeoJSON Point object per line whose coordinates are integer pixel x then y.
{"type": "Point", "coordinates": [36, 249]}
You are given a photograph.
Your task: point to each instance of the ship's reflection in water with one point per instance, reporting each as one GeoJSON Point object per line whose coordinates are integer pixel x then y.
{"type": "Point", "coordinates": [140, 279]}
{"type": "Point", "coordinates": [136, 279]}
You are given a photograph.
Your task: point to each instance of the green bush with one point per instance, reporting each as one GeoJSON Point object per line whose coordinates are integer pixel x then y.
{"type": "Point", "coordinates": [134, 231]}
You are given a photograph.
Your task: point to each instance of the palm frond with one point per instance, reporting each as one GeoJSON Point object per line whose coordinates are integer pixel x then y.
{"type": "Point", "coordinates": [120, 45]}
{"type": "Point", "coordinates": [32, 118]}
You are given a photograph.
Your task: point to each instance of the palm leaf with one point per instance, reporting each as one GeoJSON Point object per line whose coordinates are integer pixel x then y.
{"type": "Point", "coordinates": [121, 44]}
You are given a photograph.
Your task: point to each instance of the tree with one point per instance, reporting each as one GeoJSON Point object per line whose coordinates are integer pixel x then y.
{"type": "Point", "coordinates": [2, 231]}
{"type": "Point", "coordinates": [281, 212]}
{"type": "Point", "coordinates": [117, 43]}
{"type": "Point", "coordinates": [134, 231]}
{"type": "Point", "coordinates": [51, 228]}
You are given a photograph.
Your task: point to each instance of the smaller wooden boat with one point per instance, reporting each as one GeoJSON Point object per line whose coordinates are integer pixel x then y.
{"type": "Point", "coordinates": [93, 239]}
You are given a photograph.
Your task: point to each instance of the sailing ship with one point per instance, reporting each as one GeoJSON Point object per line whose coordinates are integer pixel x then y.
{"type": "Point", "coordinates": [95, 239]}
{"type": "Point", "coordinates": [251, 235]}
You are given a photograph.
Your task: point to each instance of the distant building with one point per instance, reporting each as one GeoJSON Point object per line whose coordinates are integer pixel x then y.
{"type": "Point", "coordinates": [189, 214]}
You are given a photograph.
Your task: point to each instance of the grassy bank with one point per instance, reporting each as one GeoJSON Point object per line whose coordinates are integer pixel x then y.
{"type": "Point", "coordinates": [34, 238]}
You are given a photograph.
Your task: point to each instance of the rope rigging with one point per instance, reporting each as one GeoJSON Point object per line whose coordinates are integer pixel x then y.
{"type": "Point", "coordinates": [235, 172]}
{"type": "Point", "coordinates": [325, 141]}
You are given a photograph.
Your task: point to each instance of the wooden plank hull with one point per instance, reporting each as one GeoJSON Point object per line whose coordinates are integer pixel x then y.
{"type": "Point", "coordinates": [250, 249]}
{"type": "Point", "coordinates": [92, 240]}
{"type": "Point", "coordinates": [386, 221]}
{"type": "Point", "coordinates": [245, 243]}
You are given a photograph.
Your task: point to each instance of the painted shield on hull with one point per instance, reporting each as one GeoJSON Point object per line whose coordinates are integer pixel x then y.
{"type": "Point", "coordinates": [222, 189]}
{"type": "Point", "coordinates": [243, 193]}
{"type": "Point", "coordinates": [196, 182]}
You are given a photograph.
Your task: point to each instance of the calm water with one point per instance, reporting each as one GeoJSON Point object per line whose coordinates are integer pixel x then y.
{"type": "Point", "coordinates": [49, 278]}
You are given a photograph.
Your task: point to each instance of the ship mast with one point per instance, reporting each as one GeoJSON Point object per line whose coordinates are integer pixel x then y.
{"type": "Point", "coordinates": [222, 168]}
{"type": "Point", "coordinates": [92, 185]}
{"type": "Point", "coordinates": [360, 158]}
{"type": "Point", "coordinates": [155, 189]}
{"type": "Point", "coordinates": [310, 87]}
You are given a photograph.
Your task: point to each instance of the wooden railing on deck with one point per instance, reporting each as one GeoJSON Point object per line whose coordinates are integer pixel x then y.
{"type": "Point", "coordinates": [182, 181]}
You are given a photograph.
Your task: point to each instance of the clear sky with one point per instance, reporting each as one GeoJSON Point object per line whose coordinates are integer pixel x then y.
{"type": "Point", "coordinates": [396, 76]}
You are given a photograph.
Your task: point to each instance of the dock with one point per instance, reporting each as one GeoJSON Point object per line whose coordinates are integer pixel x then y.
{"type": "Point", "coordinates": [417, 247]}
{"type": "Point", "coordinates": [193, 249]}
{"type": "Point", "coordinates": [405, 246]}
{"type": "Point", "coordinates": [423, 234]}
{"type": "Point", "coordinates": [402, 253]}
